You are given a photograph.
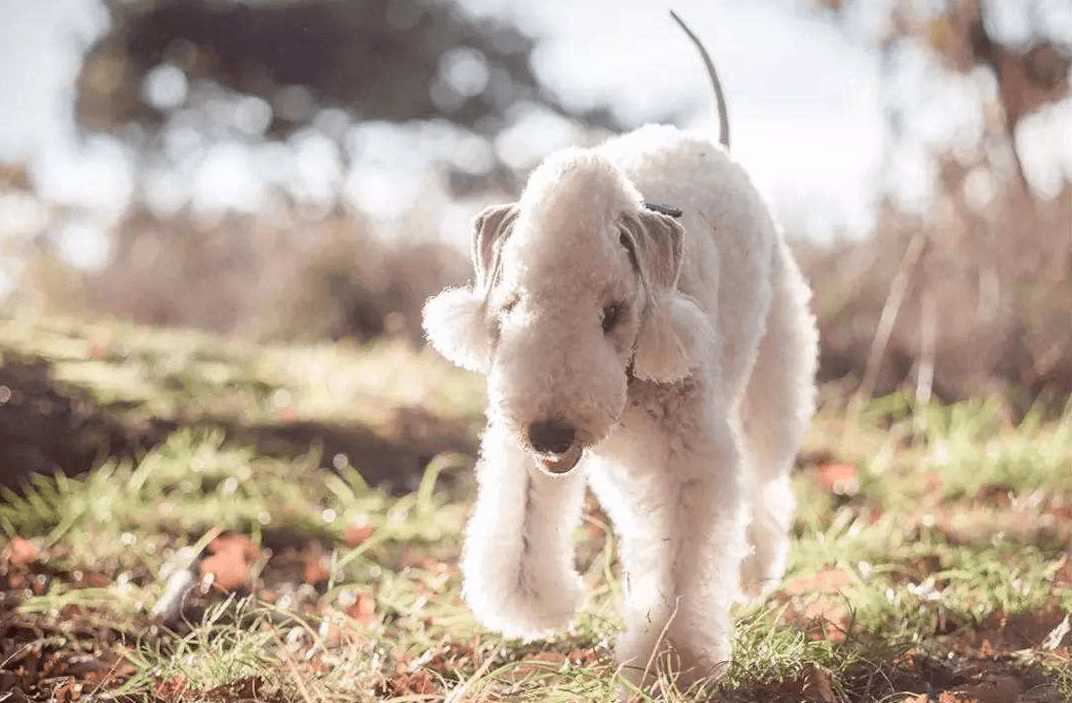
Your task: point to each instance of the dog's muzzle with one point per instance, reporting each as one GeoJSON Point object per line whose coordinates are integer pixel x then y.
{"type": "Point", "coordinates": [554, 442]}
{"type": "Point", "coordinates": [561, 463]}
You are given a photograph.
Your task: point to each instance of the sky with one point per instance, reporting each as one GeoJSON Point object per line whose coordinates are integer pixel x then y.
{"type": "Point", "coordinates": [805, 104]}
{"type": "Point", "coordinates": [799, 91]}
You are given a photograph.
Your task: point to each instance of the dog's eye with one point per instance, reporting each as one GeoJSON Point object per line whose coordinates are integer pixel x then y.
{"type": "Point", "coordinates": [611, 314]}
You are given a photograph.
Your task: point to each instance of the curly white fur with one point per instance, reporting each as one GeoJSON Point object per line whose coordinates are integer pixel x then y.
{"type": "Point", "coordinates": [688, 405]}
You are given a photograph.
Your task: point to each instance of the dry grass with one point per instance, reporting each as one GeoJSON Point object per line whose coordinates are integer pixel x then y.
{"type": "Point", "coordinates": [293, 275]}
{"type": "Point", "coordinates": [974, 299]}
{"type": "Point", "coordinates": [930, 555]}
{"type": "Point", "coordinates": [986, 306]}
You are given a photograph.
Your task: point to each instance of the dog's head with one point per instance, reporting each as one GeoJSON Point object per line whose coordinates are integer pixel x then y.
{"type": "Point", "coordinates": [575, 291]}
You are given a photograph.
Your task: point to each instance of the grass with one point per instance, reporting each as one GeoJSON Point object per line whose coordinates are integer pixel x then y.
{"type": "Point", "coordinates": [930, 554]}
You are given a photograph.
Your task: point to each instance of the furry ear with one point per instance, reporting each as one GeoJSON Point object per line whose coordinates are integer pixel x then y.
{"type": "Point", "coordinates": [675, 331]}
{"type": "Point", "coordinates": [454, 323]}
{"type": "Point", "coordinates": [490, 229]}
{"type": "Point", "coordinates": [655, 241]}
{"type": "Point", "coordinates": [673, 336]}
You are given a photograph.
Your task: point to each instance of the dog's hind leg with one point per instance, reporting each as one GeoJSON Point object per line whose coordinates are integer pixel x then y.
{"type": "Point", "coordinates": [517, 565]}
{"type": "Point", "coordinates": [775, 411]}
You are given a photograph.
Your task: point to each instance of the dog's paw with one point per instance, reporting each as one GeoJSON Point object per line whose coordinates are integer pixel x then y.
{"type": "Point", "coordinates": [523, 607]}
{"type": "Point", "coordinates": [648, 660]}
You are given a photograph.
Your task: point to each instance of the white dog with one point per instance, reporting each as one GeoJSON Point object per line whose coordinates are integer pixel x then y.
{"type": "Point", "coordinates": [662, 354]}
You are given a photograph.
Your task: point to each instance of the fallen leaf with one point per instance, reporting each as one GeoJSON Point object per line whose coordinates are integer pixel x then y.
{"type": "Point", "coordinates": [818, 686]}
{"type": "Point", "coordinates": [174, 688]}
{"type": "Point", "coordinates": [23, 552]}
{"type": "Point", "coordinates": [1000, 633]}
{"type": "Point", "coordinates": [422, 682]}
{"type": "Point", "coordinates": [415, 559]}
{"type": "Point", "coordinates": [829, 580]}
{"type": "Point", "coordinates": [67, 692]}
{"type": "Point", "coordinates": [229, 561]}
{"type": "Point", "coordinates": [314, 571]}
{"type": "Point", "coordinates": [584, 657]}
{"type": "Point", "coordinates": [229, 570]}
{"type": "Point", "coordinates": [92, 579]}
{"type": "Point", "coordinates": [451, 657]}
{"type": "Point", "coordinates": [363, 610]}
{"type": "Point", "coordinates": [840, 478]}
{"type": "Point", "coordinates": [356, 535]}
{"type": "Point", "coordinates": [814, 601]}
{"type": "Point", "coordinates": [419, 683]}
{"type": "Point", "coordinates": [239, 544]}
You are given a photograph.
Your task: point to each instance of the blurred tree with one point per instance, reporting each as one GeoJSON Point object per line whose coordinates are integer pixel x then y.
{"type": "Point", "coordinates": [173, 78]}
{"type": "Point", "coordinates": [13, 176]}
{"type": "Point", "coordinates": [393, 60]}
{"type": "Point", "coordinates": [1030, 74]}
{"type": "Point", "coordinates": [974, 295]}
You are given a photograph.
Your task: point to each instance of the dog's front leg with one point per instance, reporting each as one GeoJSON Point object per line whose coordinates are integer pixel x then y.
{"type": "Point", "coordinates": [517, 564]}
{"type": "Point", "coordinates": [709, 544]}
{"type": "Point", "coordinates": [675, 503]}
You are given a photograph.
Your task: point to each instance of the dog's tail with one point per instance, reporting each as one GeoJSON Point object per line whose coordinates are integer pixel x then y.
{"type": "Point", "coordinates": [723, 118]}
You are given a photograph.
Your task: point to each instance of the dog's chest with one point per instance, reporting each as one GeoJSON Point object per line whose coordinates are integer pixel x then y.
{"type": "Point", "coordinates": [659, 403]}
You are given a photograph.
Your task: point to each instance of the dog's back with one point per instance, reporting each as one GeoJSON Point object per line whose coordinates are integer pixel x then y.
{"type": "Point", "coordinates": [729, 234]}
{"type": "Point", "coordinates": [739, 268]}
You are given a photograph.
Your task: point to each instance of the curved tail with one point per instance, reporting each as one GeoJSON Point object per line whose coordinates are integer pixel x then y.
{"type": "Point", "coordinates": [723, 118]}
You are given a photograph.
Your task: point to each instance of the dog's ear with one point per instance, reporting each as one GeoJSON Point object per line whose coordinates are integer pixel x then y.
{"type": "Point", "coordinates": [455, 321]}
{"type": "Point", "coordinates": [674, 332]}
{"type": "Point", "coordinates": [455, 324]}
{"type": "Point", "coordinates": [655, 241]}
{"type": "Point", "coordinates": [490, 229]}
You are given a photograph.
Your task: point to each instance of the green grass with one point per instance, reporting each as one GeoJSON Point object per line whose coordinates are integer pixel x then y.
{"type": "Point", "coordinates": [952, 522]}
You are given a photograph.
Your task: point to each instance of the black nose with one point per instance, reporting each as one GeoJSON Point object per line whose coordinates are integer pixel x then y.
{"type": "Point", "coordinates": [550, 436]}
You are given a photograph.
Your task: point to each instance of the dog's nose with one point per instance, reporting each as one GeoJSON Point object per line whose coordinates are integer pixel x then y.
{"type": "Point", "coordinates": [551, 436]}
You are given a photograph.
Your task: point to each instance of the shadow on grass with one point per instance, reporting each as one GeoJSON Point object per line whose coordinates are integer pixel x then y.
{"type": "Point", "coordinates": [48, 426]}
{"type": "Point", "coordinates": [394, 460]}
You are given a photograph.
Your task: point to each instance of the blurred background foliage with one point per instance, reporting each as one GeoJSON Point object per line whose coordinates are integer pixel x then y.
{"type": "Point", "coordinates": [976, 296]}
{"type": "Point", "coordinates": [969, 297]}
